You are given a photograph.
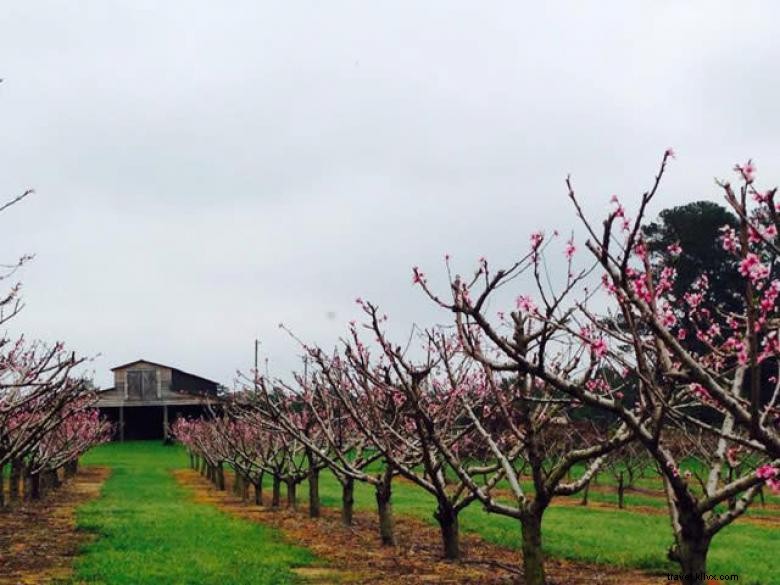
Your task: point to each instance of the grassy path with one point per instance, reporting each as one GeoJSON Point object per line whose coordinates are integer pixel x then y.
{"type": "Point", "coordinates": [150, 532]}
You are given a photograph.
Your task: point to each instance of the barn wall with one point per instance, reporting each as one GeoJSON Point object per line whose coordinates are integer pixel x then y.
{"type": "Point", "coordinates": [183, 382]}
{"type": "Point", "coordinates": [164, 375]}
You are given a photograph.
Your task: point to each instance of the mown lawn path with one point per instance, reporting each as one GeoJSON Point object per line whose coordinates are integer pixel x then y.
{"type": "Point", "coordinates": [151, 532]}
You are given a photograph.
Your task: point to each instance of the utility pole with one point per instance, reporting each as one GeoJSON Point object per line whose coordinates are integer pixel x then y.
{"type": "Point", "coordinates": [257, 351]}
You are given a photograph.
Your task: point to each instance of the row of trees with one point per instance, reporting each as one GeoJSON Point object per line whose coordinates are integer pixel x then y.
{"type": "Point", "coordinates": [513, 408]}
{"type": "Point", "coordinates": [46, 415]}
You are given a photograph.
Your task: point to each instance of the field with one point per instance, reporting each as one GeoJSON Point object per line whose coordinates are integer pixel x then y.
{"type": "Point", "coordinates": [149, 530]}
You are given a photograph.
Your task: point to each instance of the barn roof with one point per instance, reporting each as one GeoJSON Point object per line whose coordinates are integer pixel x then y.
{"type": "Point", "coordinates": [162, 366]}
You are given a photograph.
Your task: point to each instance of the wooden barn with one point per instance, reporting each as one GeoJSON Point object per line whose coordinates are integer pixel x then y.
{"type": "Point", "coordinates": [148, 397]}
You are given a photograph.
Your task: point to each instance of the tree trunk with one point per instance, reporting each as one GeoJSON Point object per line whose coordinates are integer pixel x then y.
{"type": "Point", "coordinates": [244, 489]}
{"type": "Point", "coordinates": [34, 480]}
{"type": "Point", "coordinates": [236, 483]}
{"type": "Point", "coordinates": [692, 545]}
{"type": "Point", "coordinates": [584, 501]}
{"type": "Point", "coordinates": [52, 480]}
{"type": "Point", "coordinates": [26, 484]}
{"type": "Point", "coordinates": [292, 498]}
{"type": "Point", "coordinates": [276, 496]}
{"type": "Point", "coordinates": [314, 492]}
{"type": "Point", "coordinates": [533, 557]}
{"type": "Point", "coordinates": [259, 492]}
{"type": "Point", "coordinates": [13, 480]}
{"type": "Point", "coordinates": [693, 557]}
{"type": "Point", "coordinates": [221, 476]}
{"type": "Point", "coordinates": [385, 509]}
{"type": "Point", "coordinates": [621, 490]}
{"type": "Point", "coordinates": [347, 501]}
{"type": "Point", "coordinates": [448, 523]}
{"type": "Point", "coordinates": [71, 468]}
{"type": "Point", "coordinates": [2, 486]}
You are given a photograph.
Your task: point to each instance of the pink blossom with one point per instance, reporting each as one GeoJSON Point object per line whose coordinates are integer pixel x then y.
{"type": "Point", "coordinates": [752, 268]}
{"type": "Point", "coordinates": [639, 285]}
{"type": "Point", "coordinates": [701, 392]}
{"type": "Point", "coordinates": [748, 171]}
{"type": "Point", "coordinates": [761, 197]}
{"type": "Point", "coordinates": [666, 280]}
{"type": "Point", "coordinates": [570, 249]}
{"type": "Point", "coordinates": [693, 299]}
{"type": "Point", "coordinates": [599, 347]}
{"type": "Point", "coordinates": [670, 153]}
{"type": "Point", "coordinates": [729, 239]}
{"type": "Point", "coordinates": [597, 386]}
{"type": "Point", "coordinates": [526, 304]}
{"type": "Point", "coordinates": [668, 318]}
{"type": "Point", "coordinates": [417, 276]}
{"type": "Point", "coordinates": [606, 281]}
{"type": "Point", "coordinates": [641, 250]}
{"type": "Point", "coordinates": [536, 240]}
{"type": "Point", "coordinates": [769, 298]}
{"type": "Point", "coordinates": [766, 472]}
{"type": "Point", "coordinates": [674, 249]}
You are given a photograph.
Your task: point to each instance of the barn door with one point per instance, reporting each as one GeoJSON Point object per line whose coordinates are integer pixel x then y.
{"type": "Point", "coordinates": [142, 384]}
{"type": "Point", "coordinates": [134, 384]}
{"type": "Point", "coordinates": [149, 384]}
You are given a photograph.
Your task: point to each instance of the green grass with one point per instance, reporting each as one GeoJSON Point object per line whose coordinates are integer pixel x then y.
{"type": "Point", "coordinates": [615, 537]}
{"type": "Point", "coordinates": [150, 532]}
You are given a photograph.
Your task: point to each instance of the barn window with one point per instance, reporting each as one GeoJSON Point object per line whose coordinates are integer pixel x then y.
{"type": "Point", "coordinates": [142, 384]}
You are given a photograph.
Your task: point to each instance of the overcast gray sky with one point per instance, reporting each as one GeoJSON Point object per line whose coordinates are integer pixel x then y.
{"type": "Point", "coordinates": [205, 170]}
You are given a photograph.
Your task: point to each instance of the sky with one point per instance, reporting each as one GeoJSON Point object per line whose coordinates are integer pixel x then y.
{"type": "Point", "coordinates": [206, 170]}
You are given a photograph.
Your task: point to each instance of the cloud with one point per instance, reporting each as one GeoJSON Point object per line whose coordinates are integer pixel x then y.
{"type": "Point", "coordinates": [207, 171]}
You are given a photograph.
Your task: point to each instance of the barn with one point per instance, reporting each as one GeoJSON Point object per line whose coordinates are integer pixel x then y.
{"type": "Point", "coordinates": [148, 397]}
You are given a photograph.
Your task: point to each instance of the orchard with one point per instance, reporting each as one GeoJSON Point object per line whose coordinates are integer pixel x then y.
{"type": "Point", "coordinates": [46, 417]}
{"type": "Point", "coordinates": [608, 369]}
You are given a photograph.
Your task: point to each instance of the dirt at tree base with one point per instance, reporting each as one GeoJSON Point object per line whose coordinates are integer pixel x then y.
{"type": "Point", "coordinates": [353, 555]}
{"type": "Point", "coordinates": [39, 540]}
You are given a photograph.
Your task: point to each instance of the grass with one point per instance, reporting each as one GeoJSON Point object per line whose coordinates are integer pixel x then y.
{"type": "Point", "coordinates": [150, 532]}
{"type": "Point", "coordinates": [149, 527]}
{"type": "Point", "coordinates": [615, 537]}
